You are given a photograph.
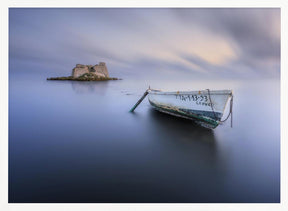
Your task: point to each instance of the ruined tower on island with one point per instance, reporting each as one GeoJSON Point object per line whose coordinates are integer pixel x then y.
{"type": "Point", "coordinates": [99, 70]}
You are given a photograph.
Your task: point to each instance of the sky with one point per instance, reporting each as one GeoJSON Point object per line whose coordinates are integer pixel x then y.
{"type": "Point", "coordinates": [147, 43]}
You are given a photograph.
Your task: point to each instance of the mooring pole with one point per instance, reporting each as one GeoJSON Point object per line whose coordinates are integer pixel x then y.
{"type": "Point", "coordinates": [231, 110]}
{"type": "Point", "coordinates": [140, 100]}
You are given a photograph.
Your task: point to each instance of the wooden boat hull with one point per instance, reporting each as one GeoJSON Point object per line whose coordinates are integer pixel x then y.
{"type": "Point", "coordinates": [205, 107]}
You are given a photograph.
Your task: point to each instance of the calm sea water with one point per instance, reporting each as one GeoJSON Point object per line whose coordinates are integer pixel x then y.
{"type": "Point", "coordinates": [77, 142]}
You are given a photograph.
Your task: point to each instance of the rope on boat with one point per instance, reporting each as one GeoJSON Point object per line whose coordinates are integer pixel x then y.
{"type": "Point", "coordinates": [230, 111]}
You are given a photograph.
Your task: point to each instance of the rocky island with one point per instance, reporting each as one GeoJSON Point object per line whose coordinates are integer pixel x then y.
{"type": "Point", "coordinates": [98, 72]}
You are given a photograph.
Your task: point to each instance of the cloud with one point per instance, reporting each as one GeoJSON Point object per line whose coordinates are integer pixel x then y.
{"type": "Point", "coordinates": [253, 32]}
{"type": "Point", "coordinates": [182, 41]}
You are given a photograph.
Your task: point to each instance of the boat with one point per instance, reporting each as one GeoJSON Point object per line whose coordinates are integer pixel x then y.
{"type": "Point", "coordinates": [204, 107]}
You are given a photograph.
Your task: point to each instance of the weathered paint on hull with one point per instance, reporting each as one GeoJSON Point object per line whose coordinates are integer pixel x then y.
{"type": "Point", "coordinates": [204, 107]}
{"type": "Point", "coordinates": [199, 119]}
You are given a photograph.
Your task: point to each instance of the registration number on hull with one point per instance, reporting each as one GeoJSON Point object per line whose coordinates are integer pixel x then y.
{"type": "Point", "coordinates": [198, 99]}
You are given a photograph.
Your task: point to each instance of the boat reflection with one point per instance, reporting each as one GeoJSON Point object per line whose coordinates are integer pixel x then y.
{"type": "Point", "coordinates": [183, 129]}
{"type": "Point", "coordinates": [183, 136]}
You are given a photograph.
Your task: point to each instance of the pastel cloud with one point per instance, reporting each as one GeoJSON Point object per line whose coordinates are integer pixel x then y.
{"type": "Point", "coordinates": [188, 41]}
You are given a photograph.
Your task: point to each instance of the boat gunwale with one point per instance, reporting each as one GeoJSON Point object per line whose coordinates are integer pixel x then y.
{"type": "Point", "coordinates": [212, 92]}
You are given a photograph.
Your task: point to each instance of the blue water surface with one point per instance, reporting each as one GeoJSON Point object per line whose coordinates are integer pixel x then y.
{"type": "Point", "coordinates": [77, 142]}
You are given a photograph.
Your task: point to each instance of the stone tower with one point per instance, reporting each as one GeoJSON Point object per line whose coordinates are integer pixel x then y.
{"type": "Point", "coordinates": [99, 69]}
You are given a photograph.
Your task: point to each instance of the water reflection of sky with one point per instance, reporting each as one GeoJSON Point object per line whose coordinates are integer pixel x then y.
{"type": "Point", "coordinates": [77, 142]}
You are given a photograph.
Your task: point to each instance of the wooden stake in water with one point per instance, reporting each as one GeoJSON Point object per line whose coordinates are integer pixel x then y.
{"type": "Point", "coordinates": [139, 101]}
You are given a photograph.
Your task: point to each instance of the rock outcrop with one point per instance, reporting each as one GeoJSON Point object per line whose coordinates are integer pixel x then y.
{"type": "Point", "coordinates": [100, 70]}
